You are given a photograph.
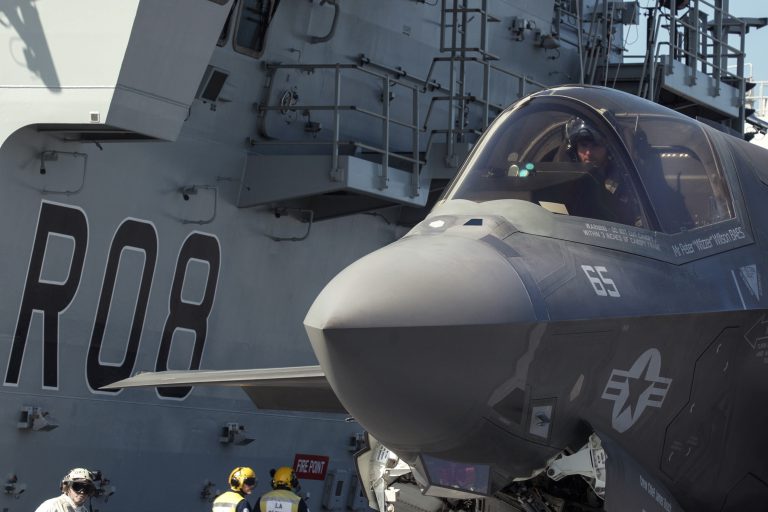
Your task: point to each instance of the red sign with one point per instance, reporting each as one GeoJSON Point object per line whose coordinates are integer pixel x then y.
{"type": "Point", "coordinates": [310, 467]}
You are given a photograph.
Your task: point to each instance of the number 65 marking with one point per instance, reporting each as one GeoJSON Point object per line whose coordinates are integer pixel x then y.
{"type": "Point", "coordinates": [601, 283]}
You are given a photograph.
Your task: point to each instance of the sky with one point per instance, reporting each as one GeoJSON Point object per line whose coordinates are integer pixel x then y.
{"type": "Point", "coordinates": [756, 40]}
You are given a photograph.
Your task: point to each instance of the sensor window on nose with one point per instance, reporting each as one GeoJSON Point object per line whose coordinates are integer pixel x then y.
{"type": "Point", "coordinates": [473, 478]}
{"type": "Point", "coordinates": [474, 222]}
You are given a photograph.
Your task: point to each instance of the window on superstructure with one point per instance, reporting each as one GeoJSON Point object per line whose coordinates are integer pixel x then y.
{"type": "Point", "coordinates": [253, 20]}
{"type": "Point", "coordinates": [224, 36]}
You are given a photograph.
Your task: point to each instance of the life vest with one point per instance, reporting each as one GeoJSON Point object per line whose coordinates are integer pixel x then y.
{"type": "Point", "coordinates": [227, 502]}
{"type": "Point", "coordinates": [279, 500]}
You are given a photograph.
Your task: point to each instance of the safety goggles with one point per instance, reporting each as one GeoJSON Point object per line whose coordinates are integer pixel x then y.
{"type": "Point", "coordinates": [249, 481]}
{"type": "Point", "coordinates": [83, 488]}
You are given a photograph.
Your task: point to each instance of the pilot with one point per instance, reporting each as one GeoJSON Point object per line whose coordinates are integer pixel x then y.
{"type": "Point", "coordinates": [282, 497]}
{"type": "Point", "coordinates": [616, 200]}
{"type": "Point", "coordinates": [76, 487]}
{"type": "Point", "coordinates": [242, 481]}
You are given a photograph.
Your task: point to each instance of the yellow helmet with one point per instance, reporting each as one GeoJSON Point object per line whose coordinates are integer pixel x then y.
{"type": "Point", "coordinates": [241, 476]}
{"type": "Point", "coordinates": [284, 477]}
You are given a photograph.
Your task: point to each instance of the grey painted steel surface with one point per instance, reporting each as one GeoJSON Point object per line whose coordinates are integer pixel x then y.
{"type": "Point", "coordinates": [655, 348]}
{"type": "Point", "coordinates": [123, 254]}
{"type": "Point", "coordinates": [496, 334]}
{"type": "Point", "coordinates": [119, 74]}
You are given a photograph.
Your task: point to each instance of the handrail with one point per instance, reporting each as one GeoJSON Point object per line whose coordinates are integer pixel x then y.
{"type": "Point", "coordinates": [425, 92]}
{"type": "Point", "coordinates": [759, 99]}
{"type": "Point", "coordinates": [327, 37]}
{"type": "Point", "coordinates": [523, 82]}
{"type": "Point", "coordinates": [724, 46]}
{"type": "Point", "coordinates": [338, 109]}
{"type": "Point", "coordinates": [700, 43]}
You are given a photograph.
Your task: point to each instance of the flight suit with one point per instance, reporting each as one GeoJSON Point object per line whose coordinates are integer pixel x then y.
{"type": "Point", "coordinates": [606, 195]}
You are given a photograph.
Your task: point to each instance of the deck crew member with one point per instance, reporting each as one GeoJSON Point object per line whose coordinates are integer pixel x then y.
{"type": "Point", "coordinates": [282, 497]}
{"type": "Point", "coordinates": [76, 487]}
{"type": "Point", "coordinates": [242, 480]}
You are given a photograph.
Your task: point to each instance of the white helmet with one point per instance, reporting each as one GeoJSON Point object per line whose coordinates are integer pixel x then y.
{"type": "Point", "coordinates": [80, 480]}
{"type": "Point", "coordinates": [81, 474]}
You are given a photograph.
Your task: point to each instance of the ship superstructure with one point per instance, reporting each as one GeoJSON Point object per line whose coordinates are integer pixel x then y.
{"type": "Point", "coordinates": [180, 178]}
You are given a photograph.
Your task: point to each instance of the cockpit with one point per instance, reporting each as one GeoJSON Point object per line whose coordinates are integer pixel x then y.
{"type": "Point", "coordinates": [600, 154]}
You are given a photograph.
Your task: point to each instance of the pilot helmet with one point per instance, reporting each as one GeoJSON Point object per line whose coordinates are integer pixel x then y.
{"type": "Point", "coordinates": [78, 476]}
{"type": "Point", "coordinates": [577, 130]}
{"type": "Point", "coordinates": [284, 477]}
{"type": "Point", "coordinates": [241, 476]}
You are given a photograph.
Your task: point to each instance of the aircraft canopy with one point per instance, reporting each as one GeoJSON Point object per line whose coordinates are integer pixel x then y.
{"type": "Point", "coordinates": [601, 154]}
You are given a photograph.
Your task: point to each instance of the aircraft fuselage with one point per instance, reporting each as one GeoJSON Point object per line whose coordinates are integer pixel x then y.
{"type": "Point", "coordinates": [502, 332]}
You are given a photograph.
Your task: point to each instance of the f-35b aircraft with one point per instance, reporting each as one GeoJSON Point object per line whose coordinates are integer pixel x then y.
{"type": "Point", "coordinates": [579, 324]}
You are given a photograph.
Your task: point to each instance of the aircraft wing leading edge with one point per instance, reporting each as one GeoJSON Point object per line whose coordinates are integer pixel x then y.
{"type": "Point", "coordinates": [300, 388]}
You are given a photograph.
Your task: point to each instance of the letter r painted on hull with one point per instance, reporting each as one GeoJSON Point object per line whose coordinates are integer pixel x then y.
{"type": "Point", "coordinates": [50, 298]}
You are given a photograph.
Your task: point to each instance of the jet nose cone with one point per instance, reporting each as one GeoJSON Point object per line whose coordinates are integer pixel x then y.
{"type": "Point", "coordinates": [414, 336]}
{"type": "Point", "coordinates": [423, 282]}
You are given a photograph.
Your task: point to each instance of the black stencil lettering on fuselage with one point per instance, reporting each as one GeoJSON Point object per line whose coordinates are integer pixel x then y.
{"type": "Point", "coordinates": [130, 234]}
{"type": "Point", "coordinates": [49, 298]}
{"type": "Point", "coordinates": [186, 315]}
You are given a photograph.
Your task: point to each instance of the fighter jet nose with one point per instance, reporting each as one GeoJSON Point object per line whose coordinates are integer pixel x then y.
{"type": "Point", "coordinates": [399, 320]}
{"type": "Point", "coordinates": [423, 281]}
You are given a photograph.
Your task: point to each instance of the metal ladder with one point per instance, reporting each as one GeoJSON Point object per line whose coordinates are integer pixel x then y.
{"type": "Point", "coordinates": [700, 43]}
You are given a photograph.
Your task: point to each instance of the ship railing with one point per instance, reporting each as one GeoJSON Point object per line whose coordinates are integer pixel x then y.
{"type": "Point", "coordinates": [455, 16]}
{"type": "Point", "coordinates": [700, 44]}
{"type": "Point", "coordinates": [694, 50]}
{"type": "Point", "coordinates": [759, 99]}
{"type": "Point", "coordinates": [419, 88]}
{"type": "Point", "coordinates": [338, 108]}
{"type": "Point", "coordinates": [525, 85]}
